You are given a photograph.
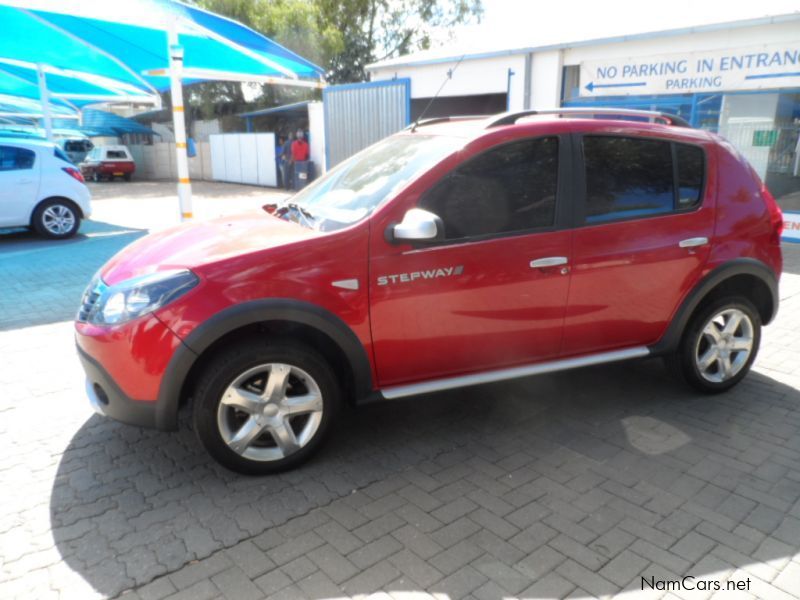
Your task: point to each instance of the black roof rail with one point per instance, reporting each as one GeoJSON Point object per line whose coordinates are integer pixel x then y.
{"type": "Point", "coordinates": [509, 118]}
{"type": "Point", "coordinates": [434, 120]}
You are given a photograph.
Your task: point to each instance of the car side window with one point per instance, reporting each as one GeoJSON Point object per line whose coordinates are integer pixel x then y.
{"type": "Point", "coordinates": [691, 175]}
{"type": "Point", "coordinates": [15, 159]}
{"type": "Point", "coordinates": [506, 189]}
{"type": "Point", "coordinates": [627, 177]}
{"type": "Point", "coordinates": [635, 177]}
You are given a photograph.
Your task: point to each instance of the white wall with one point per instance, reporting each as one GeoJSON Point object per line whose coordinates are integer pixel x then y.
{"type": "Point", "coordinates": [691, 42]}
{"type": "Point", "coordinates": [546, 71]}
{"type": "Point", "coordinates": [472, 77]}
{"type": "Point", "coordinates": [203, 129]}
{"type": "Point", "coordinates": [157, 161]}
{"type": "Point", "coordinates": [489, 75]}
{"type": "Point", "coordinates": [164, 131]}
{"type": "Point", "coordinates": [316, 132]}
{"type": "Point", "coordinates": [244, 158]}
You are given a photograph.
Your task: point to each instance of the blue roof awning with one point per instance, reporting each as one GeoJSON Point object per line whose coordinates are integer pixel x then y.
{"type": "Point", "coordinates": [101, 122]}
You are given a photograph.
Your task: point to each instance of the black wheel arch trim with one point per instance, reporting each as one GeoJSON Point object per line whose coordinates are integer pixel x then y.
{"type": "Point", "coordinates": [251, 313]}
{"type": "Point", "coordinates": [739, 266]}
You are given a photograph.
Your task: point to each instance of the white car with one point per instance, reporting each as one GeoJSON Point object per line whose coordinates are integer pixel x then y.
{"type": "Point", "coordinates": [40, 188]}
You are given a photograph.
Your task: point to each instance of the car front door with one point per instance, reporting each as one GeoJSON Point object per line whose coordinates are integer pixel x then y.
{"type": "Point", "coordinates": [492, 292]}
{"type": "Point", "coordinates": [643, 227]}
{"type": "Point", "coordinates": [19, 185]}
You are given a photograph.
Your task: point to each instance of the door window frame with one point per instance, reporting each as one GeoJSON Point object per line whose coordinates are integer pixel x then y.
{"type": "Point", "coordinates": [580, 183]}
{"type": "Point", "coordinates": [565, 190]}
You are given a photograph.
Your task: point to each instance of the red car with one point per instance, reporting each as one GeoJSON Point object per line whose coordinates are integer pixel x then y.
{"type": "Point", "coordinates": [108, 162]}
{"type": "Point", "coordinates": [454, 253]}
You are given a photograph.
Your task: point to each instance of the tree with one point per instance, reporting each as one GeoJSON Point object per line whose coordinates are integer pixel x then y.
{"type": "Point", "coordinates": [342, 36]}
{"type": "Point", "coordinates": [374, 30]}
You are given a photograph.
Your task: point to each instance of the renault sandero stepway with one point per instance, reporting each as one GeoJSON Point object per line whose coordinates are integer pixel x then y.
{"type": "Point", "coordinates": [454, 253]}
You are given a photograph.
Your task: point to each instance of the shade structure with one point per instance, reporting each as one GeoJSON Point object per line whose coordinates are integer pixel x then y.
{"type": "Point", "coordinates": [26, 109]}
{"type": "Point", "coordinates": [101, 50]}
{"type": "Point", "coordinates": [101, 122]}
{"type": "Point", "coordinates": [126, 42]}
{"type": "Point", "coordinates": [67, 87]}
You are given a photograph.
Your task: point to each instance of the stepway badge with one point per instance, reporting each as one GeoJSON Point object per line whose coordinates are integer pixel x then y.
{"type": "Point", "coordinates": [419, 275]}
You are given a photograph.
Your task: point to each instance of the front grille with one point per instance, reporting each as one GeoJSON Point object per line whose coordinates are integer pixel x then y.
{"type": "Point", "coordinates": [90, 297]}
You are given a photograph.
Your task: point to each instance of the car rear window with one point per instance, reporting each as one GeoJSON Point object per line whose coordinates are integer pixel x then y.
{"type": "Point", "coordinates": [59, 153]}
{"type": "Point", "coordinates": [13, 158]}
{"type": "Point", "coordinates": [116, 154]}
{"type": "Point", "coordinates": [637, 177]}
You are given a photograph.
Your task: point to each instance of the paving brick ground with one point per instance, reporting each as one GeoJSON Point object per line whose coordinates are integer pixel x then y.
{"type": "Point", "coordinates": [575, 484]}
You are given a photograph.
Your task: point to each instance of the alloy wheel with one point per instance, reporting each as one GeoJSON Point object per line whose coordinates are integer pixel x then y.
{"type": "Point", "coordinates": [270, 412]}
{"type": "Point", "coordinates": [724, 345]}
{"type": "Point", "coordinates": [58, 219]}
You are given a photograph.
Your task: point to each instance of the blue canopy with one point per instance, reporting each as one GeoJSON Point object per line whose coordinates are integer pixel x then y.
{"type": "Point", "coordinates": [32, 109]}
{"type": "Point", "coordinates": [123, 46]}
{"type": "Point", "coordinates": [66, 88]}
{"type": "Point", "coordinates": [101, 122]}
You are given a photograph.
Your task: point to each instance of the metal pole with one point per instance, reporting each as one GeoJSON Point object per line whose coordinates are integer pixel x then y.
{"type": "Point", "coordinates": [44, 96]}
{"type": "Point", "coordinates": [176, 95]}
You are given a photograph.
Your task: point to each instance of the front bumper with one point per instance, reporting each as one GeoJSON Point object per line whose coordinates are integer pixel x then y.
{"type": "Point", "coordinates": [109, 400]}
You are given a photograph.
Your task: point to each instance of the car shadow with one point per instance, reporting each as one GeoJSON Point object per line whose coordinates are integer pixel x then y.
{"type": "Point", "coordinates": [604, 454]}
{"type": "Point", "coordinates": [28, 261]}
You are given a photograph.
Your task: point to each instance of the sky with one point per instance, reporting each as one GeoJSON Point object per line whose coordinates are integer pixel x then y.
{"type": "Point", "coordinates": [520, 23]}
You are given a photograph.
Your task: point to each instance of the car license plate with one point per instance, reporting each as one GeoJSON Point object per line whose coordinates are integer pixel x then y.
{"type": "Point", "coordinates": [118, 174]}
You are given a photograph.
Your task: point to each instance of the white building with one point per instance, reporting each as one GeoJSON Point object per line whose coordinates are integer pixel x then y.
{"type": "Point", "coordinates": [741, 79]}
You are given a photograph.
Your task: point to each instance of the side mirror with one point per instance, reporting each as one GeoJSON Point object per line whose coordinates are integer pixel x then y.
{"type": "Point", "coordinates": [417, 226]}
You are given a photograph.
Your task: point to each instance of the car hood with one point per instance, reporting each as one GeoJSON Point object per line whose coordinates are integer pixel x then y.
{"type": "Point", "coordinates": [194, 244]}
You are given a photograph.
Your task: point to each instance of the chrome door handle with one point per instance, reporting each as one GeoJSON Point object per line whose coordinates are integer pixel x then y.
{"type": "Point", "coordinates": [550, 261]}
{"type": "Point", "coordinates": [693, 242]}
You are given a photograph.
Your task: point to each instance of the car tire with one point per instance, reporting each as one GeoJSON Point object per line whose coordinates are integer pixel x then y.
{"type": "Point", "coordinates": [247, 408]}
{"type": "Point", "coordinates": [719, 345]}
{"type": "Point", "coordinates": [56, 219]}
{"type": "Point", "coordinates": [127, 177]}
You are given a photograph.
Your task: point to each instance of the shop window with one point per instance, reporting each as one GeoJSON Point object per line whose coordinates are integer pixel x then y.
{"type": "Point", "coordinates": [570, 82]}
{"type": "Point", "coordinates": [627, 177]}
{"type": "Point", "coordinates": [506, 189]}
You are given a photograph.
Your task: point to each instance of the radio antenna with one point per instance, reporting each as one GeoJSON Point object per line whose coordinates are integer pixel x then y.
{"type": "Point", "coordinates": [436, 95]}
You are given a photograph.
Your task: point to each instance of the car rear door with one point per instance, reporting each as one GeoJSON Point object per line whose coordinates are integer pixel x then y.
{"type": "Point", "coordinates": [492, 294]}
{"type": "Point", "coordinates": [644, 220]}
{"type": "Point", "coordinates": [19, 184]}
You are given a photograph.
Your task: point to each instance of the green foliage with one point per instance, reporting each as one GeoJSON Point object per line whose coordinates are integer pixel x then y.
{"type": "Point", "coordinates": [374, 30]}
{"type": "Point", "coordinates": [342, 36]}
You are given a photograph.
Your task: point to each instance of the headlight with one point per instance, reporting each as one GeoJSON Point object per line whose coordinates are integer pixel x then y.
{"type": "Point", "coordinates": [139, 296]}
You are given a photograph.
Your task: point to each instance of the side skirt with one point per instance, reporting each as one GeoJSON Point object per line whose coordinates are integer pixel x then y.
{"type": "Point", "coordinates": [449, 383]}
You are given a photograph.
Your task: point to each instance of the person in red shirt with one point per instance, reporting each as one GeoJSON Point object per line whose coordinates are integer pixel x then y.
{"type": "Point", "coordinates": [300, 147]}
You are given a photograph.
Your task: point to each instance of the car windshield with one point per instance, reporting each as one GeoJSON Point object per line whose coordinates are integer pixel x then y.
{"type": "Point", "coordinates": [354, 189]}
